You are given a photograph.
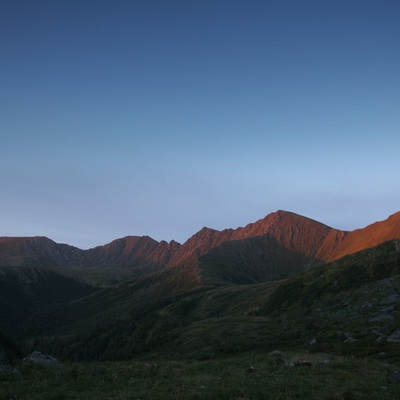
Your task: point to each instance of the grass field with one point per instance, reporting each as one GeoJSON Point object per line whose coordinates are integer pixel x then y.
{"type": "Point", "coordinates": [246, 376]}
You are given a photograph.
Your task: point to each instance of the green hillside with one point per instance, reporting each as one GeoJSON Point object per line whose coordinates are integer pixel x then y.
{"type": "Point", "coordinates": [349, 306]}
{"type": "Point", "coordinates": [331, 332]}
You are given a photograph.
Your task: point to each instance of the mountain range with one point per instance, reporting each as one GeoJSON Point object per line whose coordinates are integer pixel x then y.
{"type": "Point", "coordinates": [281, 233]}
{"type": "Point", "coordinates": [123, 291]}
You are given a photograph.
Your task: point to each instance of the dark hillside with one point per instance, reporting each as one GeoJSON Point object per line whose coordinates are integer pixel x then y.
{"type": "Point", "coordinates": [24, 290]}
{"type": "Point", "coordinates": [347, 273]}
{"type": "Point", "coordinates": [108, 308]}
{"type": "Point", "coordinates": [310, 310]}
{"type": "Point", "coordinates": [252, 260]}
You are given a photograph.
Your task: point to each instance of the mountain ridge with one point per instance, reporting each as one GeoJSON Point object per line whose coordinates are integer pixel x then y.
{"type": "Point", "coordinates": [296, 234]}
{"type": "Point", "coordinates": [370, 236]}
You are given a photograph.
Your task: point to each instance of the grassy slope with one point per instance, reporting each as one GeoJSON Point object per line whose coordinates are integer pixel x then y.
{"type": "Point", "coordinates": [199, 344]}
{"type": "Point", "coordinates": [317, 310]}
{"type": "Point", "coordinates": [348, 306]}
{"type": "Point", "coordinates": [169, 317]}
{"type": "Point", "coordinates": [112, 323]}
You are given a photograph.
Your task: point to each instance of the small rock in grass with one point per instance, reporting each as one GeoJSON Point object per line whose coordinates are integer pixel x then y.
{"type": "Point", "coordinates": [394, 378]}
{"type": "Point", "coordinates": [275, 353]}
{"type": "Point", "coordinates": [42, 359]}
{"type": "Point", "coordinates": [394, 337]}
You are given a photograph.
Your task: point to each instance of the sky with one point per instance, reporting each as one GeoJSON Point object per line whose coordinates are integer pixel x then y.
{"type": "Point", "coordinates": [155, 117]}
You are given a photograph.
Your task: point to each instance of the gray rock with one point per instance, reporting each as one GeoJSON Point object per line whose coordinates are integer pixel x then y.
{"type": "Point", "coordinates": [275, 353]}
{"type": "Point", "coordinates": [366, 306]}
{"type": "Point", "coordinates": [392, 299]}
{"type": "Point", "coordinates": [381, 338]}
{"type": "Point", "coordinates": [381, 319]}
{"type": "Point", "coordinates": [45, 360]}
{"type": "Point", "coordinates": [280, 363]}
{"type": "Point", "coordinates": [387, 309]}
{"type": "Point", "coordinates": [394, 337]}
{"type": "Point", "coordinates": [394, 378]}
{"type": "Point", "coordinates": [312, 342]}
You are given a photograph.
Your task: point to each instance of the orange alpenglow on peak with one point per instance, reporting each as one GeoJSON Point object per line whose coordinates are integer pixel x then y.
{"type": "Point", "coordinates": [278, 232]}
{"type": "Point", "coordinates": [368, 237]}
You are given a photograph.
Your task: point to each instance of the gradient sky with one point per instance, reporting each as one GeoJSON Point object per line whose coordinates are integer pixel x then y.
{"type": "Point", "coordinates": [157, 118]}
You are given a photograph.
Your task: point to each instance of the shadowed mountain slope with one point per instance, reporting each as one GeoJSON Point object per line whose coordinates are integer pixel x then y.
{"type": "Point", "coordinates": [250, 260]}
{"type": "Point", "coordinates": [25, 289]}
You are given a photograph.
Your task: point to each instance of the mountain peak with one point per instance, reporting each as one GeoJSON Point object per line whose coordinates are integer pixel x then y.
{"type": "Point", "coordinates": [206, 230]}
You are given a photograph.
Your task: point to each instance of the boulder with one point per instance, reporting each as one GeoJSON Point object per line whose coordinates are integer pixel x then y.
{"type": "Point", "coordinates": [381, 319]}
{"type": "Point", "coordinates": [394, 337]}
{"type": "Point", "coordinates": [392, 299]}
{"type": "Point", "coordinates": [275, 353]}
{"type": "Point", "coordinates": [394, 378]}
{"type": "Point", "coordinates": [42, 359]}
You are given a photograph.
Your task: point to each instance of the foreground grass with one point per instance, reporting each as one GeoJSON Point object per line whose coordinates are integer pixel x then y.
{"type": "Point", "coordinates": [224, 378]}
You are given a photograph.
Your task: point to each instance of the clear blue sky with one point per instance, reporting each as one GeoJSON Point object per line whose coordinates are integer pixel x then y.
{"type": "Point", "coordinates": [157, 118]}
